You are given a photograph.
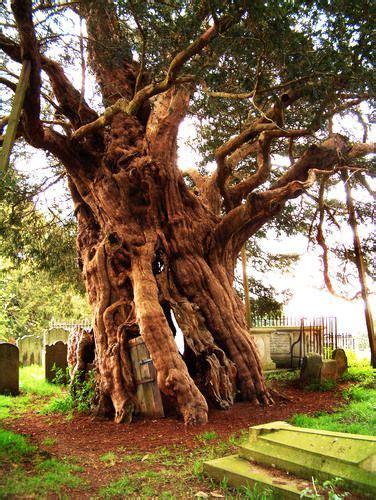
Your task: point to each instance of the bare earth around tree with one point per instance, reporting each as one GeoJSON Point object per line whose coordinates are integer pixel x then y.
{"type": "Point", "coordinates": [86, 438]}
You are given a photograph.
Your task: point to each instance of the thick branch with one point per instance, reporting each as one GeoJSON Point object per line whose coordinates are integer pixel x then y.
{"type": "Point", "coordinates": [270, 122]}
{"type": "Point", "coordinates": [243, 221]}
{"type": "Point", "coordinates": [132, 107]}
{"type": "Point", "coordinates": [22, 10]}
{"type": "Point", "coordinates": [68, 97]}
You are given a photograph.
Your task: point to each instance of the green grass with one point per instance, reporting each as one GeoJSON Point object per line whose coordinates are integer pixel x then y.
{"type": "Point", "coordinates": [360, 373]}
{"type": "Point", "coordinates": [48, 477]}
{"type": "Point", "coordinates": [61, 404]}
{"type": "Point", "coordinates": [357, 417]}
{"type": "Point", "coordinates": [108, 458]}
{"type": "Point", "coordinates": [32, 381]}
{"type": "Point", "coordinates": [14, 447]}
{"type": "Point", "coordinates": [27, 472]}
{"type": "Point", "coordinates": [35, 392]}
{"type": "Point", "coordinates": [207, 436]}
{"type": "Point", "coordinates": [282, 375]}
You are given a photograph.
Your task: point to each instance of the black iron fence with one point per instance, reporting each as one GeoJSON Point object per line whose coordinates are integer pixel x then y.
{"type": "Point", "coordinates": [314, 334]}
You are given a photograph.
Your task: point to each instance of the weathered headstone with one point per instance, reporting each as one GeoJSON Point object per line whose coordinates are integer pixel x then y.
{"type": "Point", "coordinates": [55, 357]}
{"type": "Point", "coordinates": [54, 335]}
{"type": "Point", "coordinates": [30, 347]}
{"type": "Point", "coordinates": [341, 359]}
{"type": "Point", "coordinates": [261, 336]}
{"type": "Point", "coordinates": [9, 368]}
{"type": "Point", "coordinates": [328, 370]}
{"type": "Point", "coordinates": [310, 372]}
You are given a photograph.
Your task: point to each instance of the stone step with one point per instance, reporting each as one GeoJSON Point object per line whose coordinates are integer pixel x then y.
{"type": "Point", "coordinates": [239, 472]}
{"type": "Point", "coordinates": [314, 453]}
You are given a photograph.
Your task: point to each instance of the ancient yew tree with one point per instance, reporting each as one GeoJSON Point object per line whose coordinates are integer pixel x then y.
{"type": "Point", "coordinates": [262, 78]}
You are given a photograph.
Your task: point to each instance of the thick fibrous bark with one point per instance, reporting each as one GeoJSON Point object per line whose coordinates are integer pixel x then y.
{"type": "Point", "coordinates": [147, 245]}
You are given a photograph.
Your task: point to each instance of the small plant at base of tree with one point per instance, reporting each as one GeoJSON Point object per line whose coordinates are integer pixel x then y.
{"type": "Point", "coordinates": [207, 436]}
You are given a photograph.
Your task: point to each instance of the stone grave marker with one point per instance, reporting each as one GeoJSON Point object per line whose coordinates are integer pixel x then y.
{"type": "Point", "coordinates": [54, 335]}
{"type": "Point", "coordinates": [55, 356]}
{"type": "Point", "coordinates": [341, 359]}
{"type": "Point", "coordinates": [328, 370]}
{"type": "Point", "coordinates": [30, 347]}
{"type": "Point", "coordinates": [9, 368]}
{"type": "Point", "coordinates": [310, 372]}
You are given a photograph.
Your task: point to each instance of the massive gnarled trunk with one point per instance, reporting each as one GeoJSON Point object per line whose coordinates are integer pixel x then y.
{"type": "Point", "coordinates": [148, 246]}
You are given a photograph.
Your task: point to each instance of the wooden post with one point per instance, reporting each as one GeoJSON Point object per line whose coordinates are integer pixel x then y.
{"type": "Point", "coordinates": [360, 265]}
{"type": "Point", "coordinates": [247, 301]}
{"type": "Point", "coordinates": [14, 117]}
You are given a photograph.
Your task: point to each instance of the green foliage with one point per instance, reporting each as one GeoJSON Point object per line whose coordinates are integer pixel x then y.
{"type": "Point", "coordinates": [27, 236]}
{"type": "Point", "coordinates": [48, 441]}
{"type": "Point", "coordinates": [326, 385]}
{"type": "Point", "coordinates": [79, 398]}
{"type": "Point", "coordinates": [82, 390]}
{"type": "Point", "coordinates": [119, 488]}
{"type": "Point", "coordinates": [328, 489]}
{"type": "Point", "coordinates": [108, 458]}
{"type": "Point", "coordinates": [39, 277]}
{"type": "Point", "coordinates": [28, 301]}
{"type": "Point", "coordinates": [62, 404]}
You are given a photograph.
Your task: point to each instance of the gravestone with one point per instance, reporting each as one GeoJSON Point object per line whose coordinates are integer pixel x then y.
{"type": "Point", "coordinates": [262, 336]}
{"type": "Point", "coordinates": [54, 335]}
{"type": "Point", "coordinates": [30, 347]}
{"type": "Point", "coordinates": [9, 367]}
{"type": "Point", "coordinates": [310, 372]}
{"type": "Point", "coordinates": [55, 357]}
{"type": "Point", "coordinates": [285, 458]}
{"type": "Point", "coordinates": [328, 370]}
{"type": "Point", "coordinates": [341, 359]}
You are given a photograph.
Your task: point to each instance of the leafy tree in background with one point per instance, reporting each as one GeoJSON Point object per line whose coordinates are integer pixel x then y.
{"type": "Point", "coordinates": [262, 79]}
{"type": "Point", "coordinates": [39, 276]}
{"type": "Point", "coordinates": [29, 300]}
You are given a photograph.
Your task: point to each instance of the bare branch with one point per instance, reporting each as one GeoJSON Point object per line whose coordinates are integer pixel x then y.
{"type": "Point", "coordinates": [320, 238]}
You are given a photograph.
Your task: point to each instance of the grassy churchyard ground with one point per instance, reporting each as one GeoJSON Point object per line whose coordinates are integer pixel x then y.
{"type": "Point", "coordinates": [50, 447]}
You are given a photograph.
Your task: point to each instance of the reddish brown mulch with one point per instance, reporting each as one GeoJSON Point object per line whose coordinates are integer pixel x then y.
{"type": "Point", "coordinates": [86, 434]}
{"type": "Point", "coordinates": [87, 438]}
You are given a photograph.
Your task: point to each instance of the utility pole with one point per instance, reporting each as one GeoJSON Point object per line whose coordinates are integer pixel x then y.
{"type": "Point", "coordinates": [14, 117]}
{"type": "Point", "coordinates": [360, 265]}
